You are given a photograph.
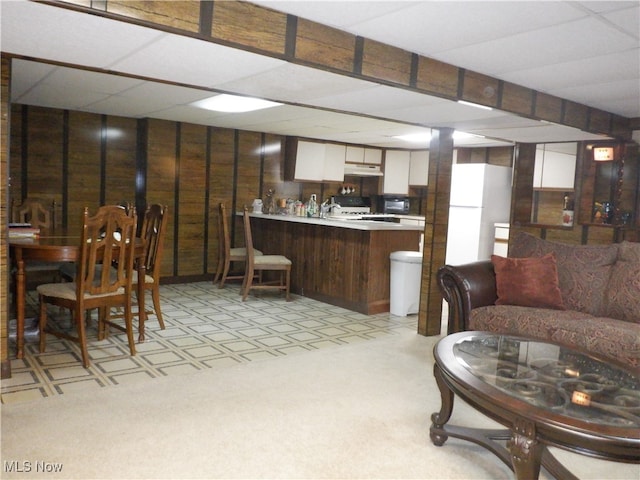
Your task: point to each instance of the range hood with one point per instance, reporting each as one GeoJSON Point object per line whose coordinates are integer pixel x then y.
{"type": "Point", "coordinates": [362, 170]}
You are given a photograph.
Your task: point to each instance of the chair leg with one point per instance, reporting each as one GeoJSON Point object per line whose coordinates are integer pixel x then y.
{"type": "Point", "coordinates": [128, 322]}
{"type": "Point", "coordinates": [155, 294]}
{"type": "Point", "coordinates": [246, 284]}
{"type": "Point", "coordinates": [219, 268]}
{"type": "Point", "coordinates": [225, 273]}
{"type": "Point", "coordinates": [42, 324]}
{"type": "Point", "coordinates": [104, 316]}
{"type": "Point", "coordinates": [288, 280]}
{"type": "Point", "coordinates": [82, 337]}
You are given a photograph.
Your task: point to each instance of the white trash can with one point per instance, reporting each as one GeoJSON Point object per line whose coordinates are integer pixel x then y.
{"type": "Point", "coordinates": [406, 276]}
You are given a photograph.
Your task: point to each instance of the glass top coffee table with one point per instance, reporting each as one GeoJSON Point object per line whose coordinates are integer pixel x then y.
{"type": "Point", "coordinates": [544, 394]}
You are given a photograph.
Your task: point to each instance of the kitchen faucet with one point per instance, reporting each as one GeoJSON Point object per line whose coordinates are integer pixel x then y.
{"type": "Point", "coordinates": [326, 207]}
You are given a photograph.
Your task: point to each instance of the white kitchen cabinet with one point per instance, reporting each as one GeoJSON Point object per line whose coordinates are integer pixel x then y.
{"type": "Point", "coordinates": [334, 162]}
{"type": "Point", "coordinates": [319, 162]}
{"type": "Point", "coordinates": [310, 161]}
{"type": "Point", "coordinates": [373, 156]}
{"type": "Point", "coordinates": [396, 172]}
{"type": "Point", "coordinates": [555, 166]}
{"type": "Point", "coordinates": [363, 155]}
{"type": "Point", "coordinates": [419, 168]}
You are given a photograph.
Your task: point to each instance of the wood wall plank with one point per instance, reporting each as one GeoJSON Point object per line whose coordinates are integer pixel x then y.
{"type": "Point", "coordinates": [83, 167]}
{"type": "Point", "coordinates": [44, 158]}
{"type": "Point", "coordinates": [161, 181]}
{"type": "Point", "coordinates": [120, 137]}
{"type": "Point", "coordinates": [576, 115]}
{"type": "Point", "coordinates": [181, 14]}
{"type": "Point", "coordinates": [250, 25]}
{"type": "Point", "coordinates": [548, 107]}
{"type": "Point", "coordinates": [437, 77]}
{"type": "Point", "coordinates": [516, 99]}
{"type": "Point", "coordinates": [386, 62]}
{"type": "Point", "coordinates": [326, 46]}
{"type": "Point", "coordinates": [5, 142]}
{"type": "Point", "coordinates": [193, 210]}
{"type": "Point", "coordinates": [480, 89]}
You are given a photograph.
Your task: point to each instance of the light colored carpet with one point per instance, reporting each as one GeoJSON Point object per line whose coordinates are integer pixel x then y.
{"type": "Point", "coordinates": [355, 411]}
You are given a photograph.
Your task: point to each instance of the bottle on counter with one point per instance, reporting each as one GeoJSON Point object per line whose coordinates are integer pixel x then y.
{"type": "Point", "coordinates": [312, 206]}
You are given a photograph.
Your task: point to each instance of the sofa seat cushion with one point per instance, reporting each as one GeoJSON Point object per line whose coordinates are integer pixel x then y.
{"type": "Point", "coordinates": [605, 336]}
{"type": "Point", "coordinates": [615, 339]}
{"type": "Point", "coordinates": [518, 320]}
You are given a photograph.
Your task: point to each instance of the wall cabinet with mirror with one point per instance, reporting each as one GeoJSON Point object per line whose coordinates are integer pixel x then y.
{"type": "Point", "coordinates": [554, 175]}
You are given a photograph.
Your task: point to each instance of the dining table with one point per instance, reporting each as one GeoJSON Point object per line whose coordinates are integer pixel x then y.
{"type": "Point", "coordinates": [59, 246]}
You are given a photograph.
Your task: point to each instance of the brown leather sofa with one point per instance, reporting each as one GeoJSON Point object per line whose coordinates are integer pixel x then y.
{"type": "Point", "coordinates": [600, 305]}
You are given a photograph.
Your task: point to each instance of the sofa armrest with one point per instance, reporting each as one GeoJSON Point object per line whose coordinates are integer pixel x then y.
{"type": "Point", "coordinates": [466, 287]}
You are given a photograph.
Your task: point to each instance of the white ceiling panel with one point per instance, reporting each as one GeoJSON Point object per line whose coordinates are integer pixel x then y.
{"type": "Point", "coordinates": [207, 64]}
{"type": "Point", "coordinates": [293, 83]}
{"type": "Point", "coordinates": [443, 26]}
{"type": "Point", "coordinates": [610, 68]}
{"type": "Point", "coordinates": [548, 46]}
{"type": "Point", "coordinates": [378, 97]}
{"type": "Point", "coordinates": [62, 35]}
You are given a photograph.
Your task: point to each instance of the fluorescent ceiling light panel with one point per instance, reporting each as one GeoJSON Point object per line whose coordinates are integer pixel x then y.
{"type": "Point", "coordinates": [462, 135]}
{"type": "Point", "coordinates": [425, 137]}
{"type": "Point", "coordinates": [234, 104]}
{"type": "Point", "coordinates": [484, 107]}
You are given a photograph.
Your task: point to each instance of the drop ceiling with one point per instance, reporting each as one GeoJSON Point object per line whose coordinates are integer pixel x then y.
{"type": "Point", "coordinates": [587, 52]}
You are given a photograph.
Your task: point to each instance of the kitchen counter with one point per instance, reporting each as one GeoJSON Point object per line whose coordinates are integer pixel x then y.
{"type": "Point", "coordinates": [368, 225]}
{"type": "Point", "coordinates": [341, 262]}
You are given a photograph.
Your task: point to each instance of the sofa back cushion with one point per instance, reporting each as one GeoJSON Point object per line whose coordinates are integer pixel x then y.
{"type": "Point", "coordinates": [584, 271]}
{"type": "Point", "coordinates": [623, 295]}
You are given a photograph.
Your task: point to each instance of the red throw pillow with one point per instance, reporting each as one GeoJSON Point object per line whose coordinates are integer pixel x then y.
{"type": "Point", "coordinates": [528, 282]}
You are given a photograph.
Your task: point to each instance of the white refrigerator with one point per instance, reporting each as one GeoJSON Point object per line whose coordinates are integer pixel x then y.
{"type": "Point", "coordinates": [480, 197]}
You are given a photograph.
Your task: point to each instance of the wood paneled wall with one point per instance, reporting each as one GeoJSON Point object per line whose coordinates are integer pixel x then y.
{"type": "Point", "coordinates": [85, 160]}
{"type": "Point", "coordinates": [5, 75]}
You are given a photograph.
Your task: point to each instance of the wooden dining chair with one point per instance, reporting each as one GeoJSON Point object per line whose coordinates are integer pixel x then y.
{"type": "Point", "coordinates": [34, 212]}
{"type": "Point", "coordinates": [262, 263]}
{"type": "Point", "coordinates": [226, 254]}
{"type": "Point", "coordinates": [107, 238]}
{"type": "Point", "coordinates": [153, 230]}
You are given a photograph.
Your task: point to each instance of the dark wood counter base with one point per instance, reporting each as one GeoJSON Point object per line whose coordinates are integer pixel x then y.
{"type": "Point", "coordinates": [345, 267]}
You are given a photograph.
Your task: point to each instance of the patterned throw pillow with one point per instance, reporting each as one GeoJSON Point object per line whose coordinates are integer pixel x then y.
{"type": "Point", "coordinates": [528, 282]}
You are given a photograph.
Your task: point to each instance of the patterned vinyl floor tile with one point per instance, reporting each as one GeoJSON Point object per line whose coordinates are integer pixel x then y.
{"type": "Point", "coordinates": [206, 327]}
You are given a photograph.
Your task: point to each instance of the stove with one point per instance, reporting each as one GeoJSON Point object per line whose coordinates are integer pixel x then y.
{"type": "Point", "coordinates": [351, 211]}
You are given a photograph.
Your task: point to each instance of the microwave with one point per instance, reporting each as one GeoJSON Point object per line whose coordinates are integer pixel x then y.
{"type": "Point", "coordinates": [393, 204]}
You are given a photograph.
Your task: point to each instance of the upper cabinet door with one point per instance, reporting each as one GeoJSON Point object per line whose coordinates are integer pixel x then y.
{"type": "Point", "coordinates": [354, 154]}
{"type": "Point", "coordinates": [396, 172]}
{"type": "Point", "coordinates": [310, 161]}
{"type": "Point", "coordinates": [419, 168]}
{"type": "Point", "coordinates": [360, 155]}
{"type": "Point", "coordinates": [334, 162]}
{"type": "Point", "coordinates": [555, 166]}
{"type": "Point", "coordinates": [373, 156]}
